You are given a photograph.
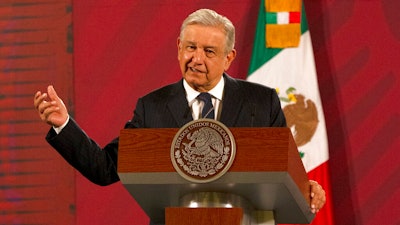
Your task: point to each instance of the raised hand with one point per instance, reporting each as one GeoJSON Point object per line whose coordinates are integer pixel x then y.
{"type": "Point", "coordinates": [50, 107]}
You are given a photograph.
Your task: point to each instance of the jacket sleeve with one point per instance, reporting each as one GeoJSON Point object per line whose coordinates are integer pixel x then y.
{"type": "Point", "coordinates": [97, 164]}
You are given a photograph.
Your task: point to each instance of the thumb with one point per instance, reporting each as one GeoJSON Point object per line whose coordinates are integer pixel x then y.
{"type": "Point", "coordinates": [52, 93]}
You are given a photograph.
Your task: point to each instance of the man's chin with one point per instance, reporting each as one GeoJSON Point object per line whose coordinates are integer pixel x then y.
{"type": "Point", "coordinates": [197, 85]}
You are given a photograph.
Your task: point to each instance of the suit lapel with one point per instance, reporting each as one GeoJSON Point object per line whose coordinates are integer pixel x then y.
{"type": "Point", "coordinates": [231, 103]}
{"type": "Point", "coordinates": [178, 105]}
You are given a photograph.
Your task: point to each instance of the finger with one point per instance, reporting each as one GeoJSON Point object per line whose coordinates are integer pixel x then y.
{"type": "Point", "coordinates": [317, 194]}
{"type": "Point", "coordinates": [48, 111]}
{"type": "Point", "coordinates": [38, 93]}
{"type": "Point", "coordinates": [52, 93]}
{"type": "Point", "coordinates": [43, 106]}
{"type": "Point", "coordinates": [315, 187]}
{"type": "Point", "coordinates": [318, 201]}
{"type": "Point", "coordinates": [38, 99]}
{"type": "Point", "coordinates": [315, 206]}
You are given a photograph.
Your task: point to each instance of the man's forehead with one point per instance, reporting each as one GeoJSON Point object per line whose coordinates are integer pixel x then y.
{"type": "Point", "coordinates": [196, 36]}
{"type": "Point", "coordinates": [194, 42]}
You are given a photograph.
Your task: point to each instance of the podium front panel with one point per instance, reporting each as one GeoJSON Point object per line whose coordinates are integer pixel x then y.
{"type": "Point", "coordinates": [267, 171]}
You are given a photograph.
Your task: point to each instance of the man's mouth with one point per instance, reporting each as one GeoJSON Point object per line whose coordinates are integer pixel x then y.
{"type": "Point", "coordinates": [195, 70]}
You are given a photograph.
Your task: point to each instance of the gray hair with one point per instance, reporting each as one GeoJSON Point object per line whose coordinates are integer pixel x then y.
{"type": "Point", "coordinates": [208, 17]}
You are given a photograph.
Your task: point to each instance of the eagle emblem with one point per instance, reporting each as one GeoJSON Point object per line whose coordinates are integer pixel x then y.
{"type": "Point", "coordinates": [202, 150]}
{"type": "Point", "coordinates": [301, 116]}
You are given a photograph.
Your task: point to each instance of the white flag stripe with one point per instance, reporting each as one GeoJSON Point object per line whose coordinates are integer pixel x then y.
{"type": "Point", "coordinates": [298, 70]}
{"type": "Point", "coordinates": [282, 18]}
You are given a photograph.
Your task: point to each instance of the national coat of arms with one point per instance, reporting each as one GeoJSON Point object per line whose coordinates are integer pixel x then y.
{"type": "Point", "coordinates": [203, 150]}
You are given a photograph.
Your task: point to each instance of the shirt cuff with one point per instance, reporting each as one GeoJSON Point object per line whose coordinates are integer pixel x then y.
{"type": "Point", "coordinates": [59, 129]}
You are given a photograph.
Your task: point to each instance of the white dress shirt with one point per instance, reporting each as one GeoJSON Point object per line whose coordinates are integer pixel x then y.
{"type": "Point", "coordinates": [197, 105]}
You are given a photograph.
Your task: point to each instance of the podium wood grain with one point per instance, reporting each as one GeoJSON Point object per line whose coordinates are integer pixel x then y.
{"type": "Point", "coordinates": [267, 170]}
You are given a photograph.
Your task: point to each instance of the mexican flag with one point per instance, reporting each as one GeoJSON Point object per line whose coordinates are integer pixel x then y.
{"type": "Point", "coordinates": [283, 58]}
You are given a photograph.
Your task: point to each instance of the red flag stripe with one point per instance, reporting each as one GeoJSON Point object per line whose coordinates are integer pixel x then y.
{"type": "Point", "coordinates": [321, 175]}
{"type": "Point", "coordinates": [294, 17]}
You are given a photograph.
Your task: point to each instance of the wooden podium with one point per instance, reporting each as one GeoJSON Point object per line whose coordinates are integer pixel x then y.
{"type": "Point", "coordinates": [267, 172]}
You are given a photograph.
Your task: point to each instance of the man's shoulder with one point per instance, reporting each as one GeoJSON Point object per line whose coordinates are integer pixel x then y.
{"type": "Point", "coordinates": [245, 84]}
{"type": "Point", "coordinates": [167, 90]}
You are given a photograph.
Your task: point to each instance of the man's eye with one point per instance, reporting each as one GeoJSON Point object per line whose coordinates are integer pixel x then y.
{"type": "Point", "coordinates": [191, 47]}
{"type": "Point", "coordinates": [210, 52]}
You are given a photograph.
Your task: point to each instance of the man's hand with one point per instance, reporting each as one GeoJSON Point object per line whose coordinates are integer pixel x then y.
{"type": "Point", "coordinates": [318, 197]}
{"type": "Point", "coordinates": [50, 107]}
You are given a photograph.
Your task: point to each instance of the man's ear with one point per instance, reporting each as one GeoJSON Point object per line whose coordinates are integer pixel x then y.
{"type": "Point", "coordinates": [178, 45]}
{"type": "Point", "coordinates": [229, 59]}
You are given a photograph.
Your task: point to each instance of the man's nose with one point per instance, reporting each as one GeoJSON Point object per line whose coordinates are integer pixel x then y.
{"type": "Point", "coordinates": [198, 55]}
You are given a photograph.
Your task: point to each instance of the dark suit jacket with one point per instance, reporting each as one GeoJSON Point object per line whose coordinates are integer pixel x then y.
{"type": "Point", "coordinates": [244, 104]}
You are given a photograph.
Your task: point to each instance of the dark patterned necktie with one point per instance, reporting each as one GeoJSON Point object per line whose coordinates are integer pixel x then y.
{"type": "Point", "coordinates": [208, 108]}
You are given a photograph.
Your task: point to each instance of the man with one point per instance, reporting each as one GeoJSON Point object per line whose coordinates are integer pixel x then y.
{"type": "Point", "coordinates": [205, 52]}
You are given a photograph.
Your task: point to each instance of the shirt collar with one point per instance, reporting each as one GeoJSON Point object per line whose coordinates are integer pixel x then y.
{"type": "Point", "coordinates": [216, 92]}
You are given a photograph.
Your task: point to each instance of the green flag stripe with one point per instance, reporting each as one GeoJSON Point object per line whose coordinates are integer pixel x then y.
{"type": "Point", "coordinates": [304, 23]}
{"type": "Point", "coordinates": [261, 54]}
{"type": "Point", "coordinates": [271, 18]}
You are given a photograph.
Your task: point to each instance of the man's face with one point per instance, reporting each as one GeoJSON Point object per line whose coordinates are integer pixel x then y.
{"type": "Point", "coordinates": [202, 57]}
